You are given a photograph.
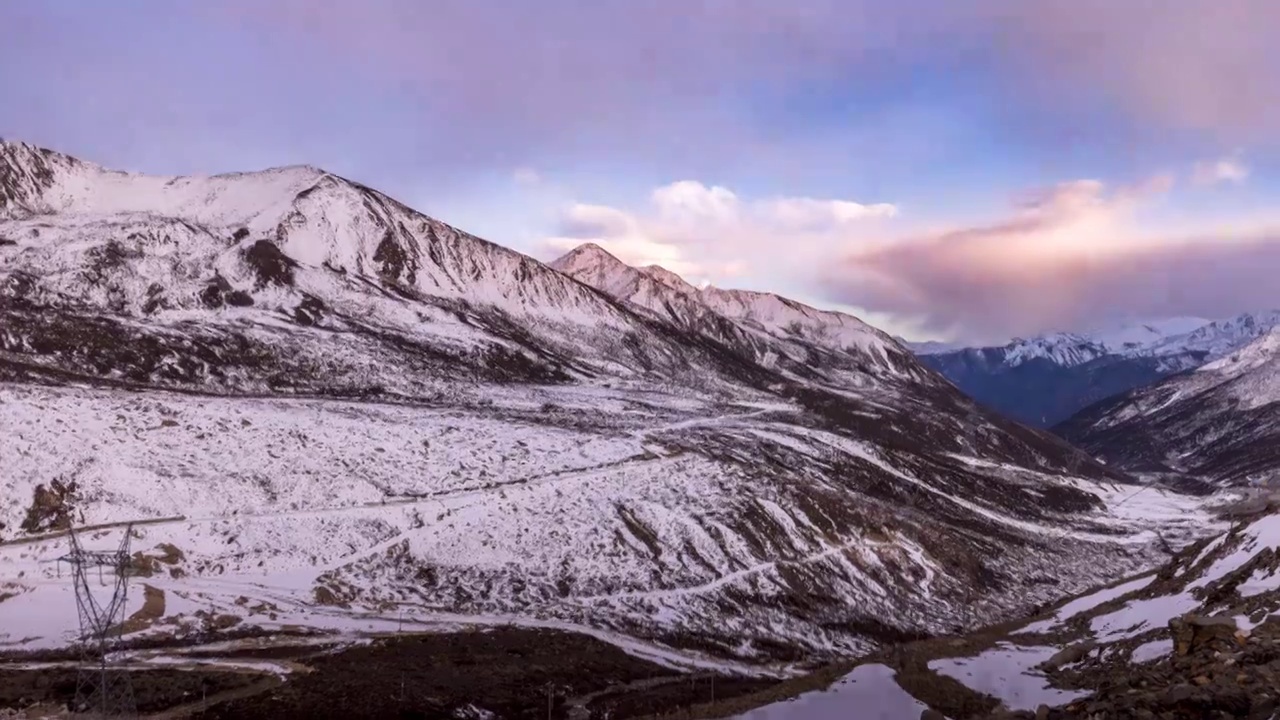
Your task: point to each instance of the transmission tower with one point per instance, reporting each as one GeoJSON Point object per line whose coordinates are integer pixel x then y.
{"type": "Point", "coordinates": [102, 689]}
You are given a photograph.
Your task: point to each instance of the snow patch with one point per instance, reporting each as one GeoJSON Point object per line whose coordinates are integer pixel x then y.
{"type": "Point", "coordinates": [1086, 603]}
{"type": "Point", "coordinates": [1007, 672]}
{"type": "Point", "coordinates": [870, 692]}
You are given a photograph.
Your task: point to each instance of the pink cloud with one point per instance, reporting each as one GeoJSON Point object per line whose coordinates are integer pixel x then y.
{"type": "Point", "coordinates": [1072, 258]}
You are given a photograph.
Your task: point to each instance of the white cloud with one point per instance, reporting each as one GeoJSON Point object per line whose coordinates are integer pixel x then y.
{"type": "Point", "coordinates": [691, 201]}
{"type": "Point", "coordinates": [709, 232]}
{"type": "Point", "coordinates": [1229, 169]}
{"type": "Point", "coordinates": [808, 213]}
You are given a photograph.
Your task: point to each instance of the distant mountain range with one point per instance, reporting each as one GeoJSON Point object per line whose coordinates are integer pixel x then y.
{"type": "Point", "coordinates": [1043, 381]}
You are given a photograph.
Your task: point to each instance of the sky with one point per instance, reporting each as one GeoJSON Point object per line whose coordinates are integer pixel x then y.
{"type": "Point", "coordinates": [966, 171]}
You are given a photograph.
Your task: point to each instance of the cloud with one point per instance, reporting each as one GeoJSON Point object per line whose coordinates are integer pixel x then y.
{"type": "Point", "coordinates": [1067, 258]}
{"type": "Point", "coordinates": [1228, 170]}
{"type": "Point", "coordinates": [689, 201]}
{"type": "Point", "coordinates": [811, 214]}
{"type": "Point", "coordinates": [710, 233]}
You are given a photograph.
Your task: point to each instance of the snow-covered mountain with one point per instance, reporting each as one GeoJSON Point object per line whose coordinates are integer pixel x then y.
{"type": "Point", "coordinates": [1046, 379]}
{"type": "Point", "coordinates": [327, 406]}
{"type": "Point", "coordinates": [1220, 423]}
{"type": "Point", "coordinates": [777, 331]}
{"type": "Point", "coordinates": [254, 267]}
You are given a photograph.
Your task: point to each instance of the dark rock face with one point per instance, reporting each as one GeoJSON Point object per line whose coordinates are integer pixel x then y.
{"type": "Point", "coordinates": [52, 507]}
{"type": "Point", "coordinates": [272, 266]}
{"type": "Point", "coordinates": [25, 172]}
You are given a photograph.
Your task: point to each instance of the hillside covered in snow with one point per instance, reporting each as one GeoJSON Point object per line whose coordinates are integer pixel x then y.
{"type": "Point", "coordinates": [324, 409]}
{"type": "Point", "coordinates": [1220, 423]}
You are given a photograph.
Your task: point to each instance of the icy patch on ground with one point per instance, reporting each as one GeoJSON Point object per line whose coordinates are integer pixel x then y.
{"type": "Point", "coordinates": [1153, 650]}
{"type": "Point", "coordinates": [1263, 533]}
{"type": "Point", "coordinates": [1262, 580]}
{"type": "Point", "coordinates": [1139, 616]}
{"type": "Point", "coordinates": [1006, 672]}
{"type": "Point", "coordinates": [868, 693]}
{"type": "Point", "coordinates": [1086, 603]}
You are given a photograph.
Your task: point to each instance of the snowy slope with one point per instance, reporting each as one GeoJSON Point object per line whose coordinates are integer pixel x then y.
{"type": "Point", "coordinates": [657, 291]}
{"type": "Point", "coordinates": [772, 328]}
{"type": "Point", "coordinates": [335, 407]}
{"type": "Point", "coordinates": [1220, 422]}
{"type": "Point", "coordinates": [930, 347]}
{"type": "Point", "coordinates": [1166, 338]}
{"type": "Point", "coordinates": [1222, 337]}
{"type": "Point", "coordinates": [309, 251]}
{"type": "Point", "coordinates": [749, 532]}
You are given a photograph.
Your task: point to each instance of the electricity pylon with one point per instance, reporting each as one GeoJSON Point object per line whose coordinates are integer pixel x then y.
{"type": "Point", "coordinates": [102, 689]}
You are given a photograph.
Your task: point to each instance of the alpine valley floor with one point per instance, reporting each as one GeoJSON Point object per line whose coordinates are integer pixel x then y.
{"type": "Point", "coordinates": [605, 519]}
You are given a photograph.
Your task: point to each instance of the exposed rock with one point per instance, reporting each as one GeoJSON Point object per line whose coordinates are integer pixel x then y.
{"type": "Point", "coordinates": [1068, 655]}
{"type": "Point", "coordinates": [1193, 632]}
{"type": "Point", "coordinates": [52, 507]}
{"type": "Point", "coordinates": [272, 266]}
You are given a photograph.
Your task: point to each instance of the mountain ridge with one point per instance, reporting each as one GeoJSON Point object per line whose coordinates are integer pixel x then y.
{"type": "Point", "coordinates": [769, 325]}
{"type": "Point", "coordinates": [1047, 379]}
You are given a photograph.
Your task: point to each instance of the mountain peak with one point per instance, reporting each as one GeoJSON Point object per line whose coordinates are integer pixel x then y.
{"type": "Point", "coordinates": [27, 173]}
{"type": "Point", "coordinates": [587, 250]}
{"type": "Point", "coordinates": [1262, 351]}
{"type": "Point", "coordinates": [590, 257]}
{"type": "Point", "coordinates": [668, 278]}
{"type": "Point", "coordinates": [651, 287]}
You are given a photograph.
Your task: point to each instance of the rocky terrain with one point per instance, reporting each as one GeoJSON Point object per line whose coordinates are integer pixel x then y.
{"type": "Point", "coordinates": [1199, 638]}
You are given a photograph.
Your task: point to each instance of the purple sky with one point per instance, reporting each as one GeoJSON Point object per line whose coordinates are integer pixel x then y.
{"type": "Point", "coordinates": [973, 170]}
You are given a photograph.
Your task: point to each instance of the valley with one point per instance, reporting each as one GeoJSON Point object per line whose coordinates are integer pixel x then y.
{"type": "Point", "coordinates": [370, 464]}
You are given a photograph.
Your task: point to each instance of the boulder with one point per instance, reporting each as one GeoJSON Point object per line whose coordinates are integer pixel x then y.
{"type": "Point", "coordinates": [1192, 633]}
{"type": "Point", "coordinates": [1069, 654]}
